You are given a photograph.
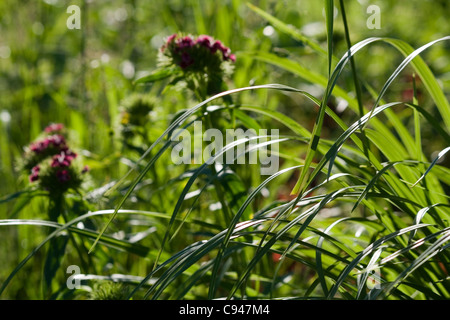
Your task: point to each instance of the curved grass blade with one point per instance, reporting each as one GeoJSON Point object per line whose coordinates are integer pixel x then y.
{"type": "Point", "coordinates": [157, 75]}
{"type": "Point", "coordinates": [430, 252]}
{"type": "Point", "coordinates": [431, 120]}
{"type": "Point", "coordinates": [234, 222]}
{"type": "Point", "coordinates": [428, 79]}
{"type": "Point", "coordinates": [411, 246]}
{"type": "Point", "coordinates": [334, 149]}
{"type": "Point", "coordinates": [352, 60]}
{"type": "Point", "coordinates": [179, 255]}
{"type": "Point", "coordinates": [372, 182]}
{"type": "Point", "coordinates": [370, 266]}
{"type": "Point", "coordinates": [276, 236]}
{"type": "Point", "coordinates": [188, 259]}
{"type": "Point", "coordinates": [194, 256]}
{"type": "Point", "coordinates": [308, 214]}
{"type": "Point", "coordinates": [58, 230]}
{"type": "Point", "coordinates": [282, 27]}
{"type": "Point", "coordinates": [420, 214]}
{"type": "Point", "coordinates": [320, 272]}
{"type": "Point", "coordinates": [312, 147]}
{"type": "Point", "coordinates": [109, 241]}
{"type": "Point", "coordinates": [194, 177]}
{"type": "Point", "coordinates": [402, 66]}
{"type": "Point", "coordinates": [370, 249]}
{"type": "Point", "coordinates": [170, 129]}
{"type": "Point", "coordinates": [418, 64]}
{"type": "Point", "coordinates": [329, 16]}
{"type": "Point", "coordinates": [439, 156]}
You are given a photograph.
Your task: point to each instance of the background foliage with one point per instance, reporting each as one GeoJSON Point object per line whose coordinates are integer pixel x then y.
{"type": "Point", "coordinates": [85, 79]}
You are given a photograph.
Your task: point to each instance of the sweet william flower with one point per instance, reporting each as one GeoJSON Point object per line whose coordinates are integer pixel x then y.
{"type": "Point", "coordinates": [64, 159]}
{"type": "Point", "coordinates": [42, 149]}
{"type": "Point", "coordinates": [179, 49]}
{"type": "Point", "coordinates": [169, 40]}
{"type": "Point", "coordinates": [54, 127]}
{"type": "Point", "coordinates": [205, 41]}
{"type": "Point", "coordinates": [34, 174]}
{"type": "Point", "coordinates": [55, 141]}
{"type": "Point", "coordinates": [50, 163]}
{"type": "Point", "coordinates": [184, 43]}
{"type": "Point", "coordinates": [204, 61]}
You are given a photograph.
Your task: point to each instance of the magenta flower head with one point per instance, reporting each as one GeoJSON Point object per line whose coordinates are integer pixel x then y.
{"type": "Point", "coordinates": [54, 128]}
{"type": "Point", "coordinates": [51, 164]}
{"type": "Point", "coordinates": [34, 174]}
{"type": "Point", "coordinates": [203, 61]}
{"type": "Point", "coordinates": [200, 52]}
{"type": "Point", "coordinates": [64, 159]}
{"type": "Point", "coordinates": [169, 40]}
{"type": "Point", "coordinates": [184, 43]}
{"type": "Point", "coordinates": [205, 41]}
{"type": "Point", "coordinates": [44, 148]}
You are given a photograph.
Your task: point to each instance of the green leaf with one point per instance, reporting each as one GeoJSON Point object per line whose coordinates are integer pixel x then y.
{"type": "Point", "coordinates": [437, 246]}
{"type": "Point", "coordinates": [329, 15]}
{"type": "Point", "coordinates": [287, 29]}
{"type": "Point", "coordinates": [235, 191]}
{"type": "Point", "coordinates": [439, 156]}
{"type": "Point", "coordinates": [422, 69]}
{"type": "Point", "coordinates": [130, 247]}
{"type": "Point", "coordinates": [157, 75]}
{"type": "Point", "coordinates": [287, 121]}
{"type": "Point", "coordinates": [367, 251]}
{"type": "Point", "coordinates": [55, 254]}
{"type": "Point", "coordinates": [248, 121]}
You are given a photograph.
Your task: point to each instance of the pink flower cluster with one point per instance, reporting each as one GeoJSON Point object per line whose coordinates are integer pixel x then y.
{"type": "Point", "coordinates": [214, 46]}
{"type": "Point", "coordinates": [54, 127]}
{"type": "Point", "coordinates": [35, 173]}
{"type": "Point", "coordinates": [53, 146]}
{"type": "Point", "coordinates": [184, 47]}
{"type": "Point", "coordinates": [56, 141]}
{"type": "Point", "coordinates": [64, 159]}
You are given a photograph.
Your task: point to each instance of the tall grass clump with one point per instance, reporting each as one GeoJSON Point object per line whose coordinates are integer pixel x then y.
{"type": "Point", "coordinates": [358, 209]}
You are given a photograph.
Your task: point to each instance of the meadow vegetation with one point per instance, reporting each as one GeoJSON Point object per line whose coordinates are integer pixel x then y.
{"type": "Point", "coordinates": [358, 207]}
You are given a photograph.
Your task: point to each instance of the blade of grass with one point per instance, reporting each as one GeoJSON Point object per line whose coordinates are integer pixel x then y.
{"type": "Point", "coordinates": [312, 147]}
{"type": "Point", "coordinates": [439, 156]}
{"type": "Point", "coordinates": [329, 16]}
{"type": "Point", "coordinates": [428, 78]}
{"type": "Point", "coordinates": [170, 129]}
{"type": "Point", "coordinates": [430, 252]}
{"type": "Point", "coordinates": [68, 225]}
{"type": "Point", "coordinates": [370, 266]}
{"type": "Point", "coordinates": [234, 222]}
{"type": "Point", "coordinates": [289, 30]}
{"type": "Point", "coordinates": [191, 182]}
{"type": "Point", "coordinates": [369, 250]}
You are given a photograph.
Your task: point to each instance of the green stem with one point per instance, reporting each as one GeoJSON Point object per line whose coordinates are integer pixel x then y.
{"type": "Point", "coordinates": [418, 137]}
{"type": "Point", "coordinates": [84, 264]}
{"type": "Point", "coordinates": [357, 84]}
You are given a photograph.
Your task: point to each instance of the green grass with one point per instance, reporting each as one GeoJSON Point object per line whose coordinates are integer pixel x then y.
{"type": "Point", "coordinates": [361, 196]}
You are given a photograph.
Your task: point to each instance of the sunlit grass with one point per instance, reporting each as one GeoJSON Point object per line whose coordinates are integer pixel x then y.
{"type": "Point", "coordinates": [358, 209]}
